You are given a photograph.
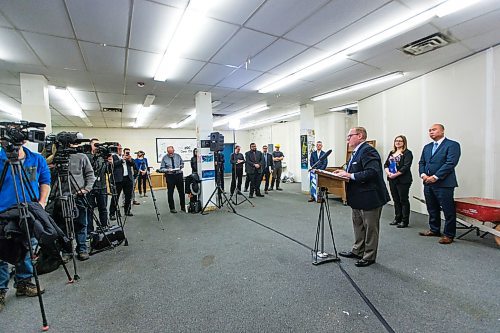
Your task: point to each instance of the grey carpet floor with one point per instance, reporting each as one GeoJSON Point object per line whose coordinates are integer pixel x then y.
{"type": "Point", "coordinates": [224, 273]}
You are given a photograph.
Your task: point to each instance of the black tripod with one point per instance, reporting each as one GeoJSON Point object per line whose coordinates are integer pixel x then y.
{"type": "Point", "coordinates": [319, 255]}
{"type": "Point", "coordinates": [237, 191]}
{"type": "Point", "coordinates": [16, 169]}
{"type": "Point", "coordinates": [221, 197]}
{"type": "Point", "coordinates": [152, 195]}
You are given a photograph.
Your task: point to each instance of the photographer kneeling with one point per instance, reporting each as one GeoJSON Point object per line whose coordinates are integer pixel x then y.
{"type": "Point", "coordinates": [39, 178]}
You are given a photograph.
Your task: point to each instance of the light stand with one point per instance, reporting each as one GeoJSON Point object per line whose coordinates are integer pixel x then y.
{"type": "Point", "coordinates": [319, 255]}
{"type": "Point", "coordinates": [219, 192]}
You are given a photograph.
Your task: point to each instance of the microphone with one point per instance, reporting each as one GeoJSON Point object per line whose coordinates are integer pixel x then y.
{"type": "Point", "coordinates": [321, 159]}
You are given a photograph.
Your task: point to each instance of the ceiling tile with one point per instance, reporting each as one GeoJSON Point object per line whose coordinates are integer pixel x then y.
{"type": "Point", "coordinates": [4, 23]}
{"type": "Point", "coordinates": [84, 96]}
{"type": "Point", "coordinates": [100, 21]}
{"type": "Point", "coordinates": [477, 26]}
{"type": "Point", "coordinates": [239, 78]}
{"type": "Point", "coordinates": [14, 49]}
{"type": "Point", "coordinates": [227, 13]}
{"type": "Point", "coordinates": [153, 25]}
{"type": "Point", "coordinates": [110, 98]}
{"type": "Point", "coordinates": [335, 16]}
{"type": "Point", "coordinates": [78, 80]}
{"type": "Point", "coordinates": [215, 34]}
{"type": "Point", "coordinates": [477, 9]}
{"type": "Point", "coordinates": [89, 106]}
{"type": "Point", "coordinates": [211, 74]}
{"type": "Point", "coordinates": [185, 70]}
{"type": "Point", "coordinates": [56, 51]}
{"type": "Point", "coordinates": [278, 52]}
{"type": "Point", "coordinates": [307, 57]}
{"type": "Point", "coordinates": [47, 16]}
{"type": "Point", "coordinates": [269, 17]}
{"type": "Point", "coordinates": [103, 59]}
{"type": "Point", "coordinates": [483, 41]}
{"type": "Point", "coordinates": [259, 82]}
{"type": "Point", "coordinates": [11, 90]}
{"type": "Point", "coordinates": [245, 44]}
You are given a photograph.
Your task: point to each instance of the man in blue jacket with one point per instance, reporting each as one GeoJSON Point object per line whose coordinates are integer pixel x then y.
{"type": "Point", "coordinates": [39, 177]}
{"type": "Point", "coordinates": [437, 170]}
{"type": "Point", "coordinates": [315, 156]}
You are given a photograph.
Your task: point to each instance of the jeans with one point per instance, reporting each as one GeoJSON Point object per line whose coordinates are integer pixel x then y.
{"type": "Point", "coordinates": [24, 272]}
{"type": "Point", "coordinates": [142, 179]}
{"type": "Point", "coordinates": [276, 177]}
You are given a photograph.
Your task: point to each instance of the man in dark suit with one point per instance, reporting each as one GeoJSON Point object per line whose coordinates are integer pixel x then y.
{"type": "Point", "coordinates": [237, 161]}
{"type": "Point", "coordinates": [267, 167]}
{"type": "Point", "coordinates": [437, 170]}
{"type": "Point", "coordinates": [366, 194]}
{"type": "Point", "coordinates": [254, 161]}
{"type": "Point", "coordinates": [315, 156]}
{"type": "Point", "coordinates": [123, 173]}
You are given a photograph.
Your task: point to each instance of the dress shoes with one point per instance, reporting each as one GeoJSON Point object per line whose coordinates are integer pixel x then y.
{"type": "Point", "coordinates": [279, 189]}
{"type": "Point", "coordinates": [364, 263]}
{"type": "Point", "coordinates": [271, 189]}
{"type": "Point", "coordinates": [173, 211]}
{"type": "Point", "coordinates": [129, 214]}
{"type": "Point", "coordinates": [310, 200]}
{"type": "Point", "coordinates": [394, 223]}
{"type": "Point", "coordinates": [250, 196]}
{"type": "Point", "coordinates": [265, 192]}
{"type": "Point", "coordinates": [402, 225]}
{"type": "Point", "coordinates": [349, 254]}
{"type": "Point", "coordinates": [446, 240]}
{"type": "Point", "coordinates": [260, 195]}
{"type": "Point", "coordinates": [429, 233]}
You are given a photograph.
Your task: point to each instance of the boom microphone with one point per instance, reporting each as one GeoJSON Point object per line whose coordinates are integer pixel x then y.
{"type": "Point", "coordinates": [322, 158]}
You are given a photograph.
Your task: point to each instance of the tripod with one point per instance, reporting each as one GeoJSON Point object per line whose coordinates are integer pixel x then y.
{"type": "Point", "coordinates": [319, 255]}
{"type": "Point", "coordinates": [16, 169]}
{"type": "Point", "coordinates": [218, 191]}
{"type": "Point", "coordinates": [237, 191]}
{"type": "Point", "coordinates": [152, 195]}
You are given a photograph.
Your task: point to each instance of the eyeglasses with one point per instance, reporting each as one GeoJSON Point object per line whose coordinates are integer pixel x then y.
{"type": "Point", "coordinates": [398, 141]}
{"type": "Point", "coordinates": [349, 135]}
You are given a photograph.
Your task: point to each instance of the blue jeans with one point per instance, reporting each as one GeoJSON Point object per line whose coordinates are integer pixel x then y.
{"type": "Point", "coordinates": [24, 272]}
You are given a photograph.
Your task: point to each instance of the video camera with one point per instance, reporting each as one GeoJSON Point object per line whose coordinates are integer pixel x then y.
{"type": "Point", "coordinates": [14, 134]}
{"type": "Point", "coordinates": [105, 149]}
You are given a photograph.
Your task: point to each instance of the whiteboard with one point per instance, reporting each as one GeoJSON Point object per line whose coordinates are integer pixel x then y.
{"type": "Point", "coordinates": [182, 146]}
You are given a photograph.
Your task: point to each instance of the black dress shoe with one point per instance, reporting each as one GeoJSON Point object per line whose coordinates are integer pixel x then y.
{"type": "Point", "coordinates": [364, 263]}
{"type": "Point", "coordinates": [112, 218]}
{"type": "Point", "coordinates": [129, 214]}
{"type": "Point", "coordinates": [349, 254]}
{"type": "Point", "coordinates": [250, 196]}
{"type": "Point", "coordinates": [402, 225]}
{"type": "Point", "coordinates": [394, 223]}
{"type": "Point", "coordinates": [260, 195]}
{"type": "Point", "coordinates": [173, 211]}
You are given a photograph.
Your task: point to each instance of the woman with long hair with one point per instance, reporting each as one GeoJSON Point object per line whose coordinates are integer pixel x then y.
{"type": "Point", "coordinates": [398, 170]}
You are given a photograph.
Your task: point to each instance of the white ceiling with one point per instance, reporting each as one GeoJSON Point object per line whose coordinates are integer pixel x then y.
{"type": "Point", "coordinates": [100, 49]}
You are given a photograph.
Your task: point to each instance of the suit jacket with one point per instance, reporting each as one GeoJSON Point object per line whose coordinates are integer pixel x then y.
{"type": "Point", "coordinates": [118, 169]}
{"type": "Point", "coordinates": [367, 191]}
{"type": "Point", "coordinates": [442, 164]}
{"type": "Point", "coordinates": [314, 158]}
{"type": "Point", "coordinates": [404, 166]}
{"type": "Point", "coordinates": [252, 158]}
{"type": "Point", "coordinates": [270, 163]}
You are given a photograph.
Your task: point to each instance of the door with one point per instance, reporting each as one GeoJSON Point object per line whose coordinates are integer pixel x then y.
{"type": "Point", "coordinates": [228, 150]}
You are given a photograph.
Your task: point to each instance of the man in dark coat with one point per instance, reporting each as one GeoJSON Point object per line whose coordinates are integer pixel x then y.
{"type": "Point", "coordinates": [366, 194]}
{"type": "Point", "coordinates": [254, 162]}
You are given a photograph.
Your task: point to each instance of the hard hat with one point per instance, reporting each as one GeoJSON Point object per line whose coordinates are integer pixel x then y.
{"type": "Point", "coordinates": [277, 145]}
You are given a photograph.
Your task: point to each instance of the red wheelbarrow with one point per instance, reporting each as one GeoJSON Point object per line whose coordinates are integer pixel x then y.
{"type": "Point", "coordinates": [477, 214]}
{"type": "Point", "coordinates": [480, 215]}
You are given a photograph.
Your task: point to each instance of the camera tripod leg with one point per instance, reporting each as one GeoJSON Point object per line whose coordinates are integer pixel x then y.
{"type": "Point", "coordinates": [153, 197]}
{"type": "Point", "coordinates": [319, 255]}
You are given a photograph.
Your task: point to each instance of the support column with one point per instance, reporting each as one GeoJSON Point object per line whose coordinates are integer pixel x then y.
{"type": "Point", "coordinates": [307, 137]}
{"type": "Point", "coordinates": [35, 100]}
{"type": "Point", "coordinates": [204, 126]}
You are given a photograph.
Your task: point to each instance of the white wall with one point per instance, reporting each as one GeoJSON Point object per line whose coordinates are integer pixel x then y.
{"type": "Point", "coordinates": [465, 98]}
{"type": "Point", "coordinates": [329, 128]}
{"type": "Point", "coordinates": [145, 139]}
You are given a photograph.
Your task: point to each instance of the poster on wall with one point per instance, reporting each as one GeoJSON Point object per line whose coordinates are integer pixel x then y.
{"type": "Point", "coordinates": [303, 152]}
{"type": "Point", "coordinates": [182, 146]}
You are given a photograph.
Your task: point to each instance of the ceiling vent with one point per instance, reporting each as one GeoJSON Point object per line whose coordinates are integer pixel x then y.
{"type": "Point", "coordinates": [427, 44]}
{"type": "Point", "coordinates": [111, 110]}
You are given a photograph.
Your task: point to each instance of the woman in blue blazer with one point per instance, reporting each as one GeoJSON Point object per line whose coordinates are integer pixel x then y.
{"type": "Point", "coordinates": [398, 170]}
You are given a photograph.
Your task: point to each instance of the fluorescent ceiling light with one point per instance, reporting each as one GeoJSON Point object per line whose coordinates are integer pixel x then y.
{"type": "Point", "coordinates": [148, 101]}
{"type": "Point", "coordinates": [374, 37]}
{"type": "Point", "coordinates": [234, 123]}
{"type": "Point", "coordinates": [343, 107]}
{"type": "Point", "coordinates": [189, 28]}
{"type": "Point", "coordinates": [7, 106]}
{"type": "Point", "coordinates": [245, 113]}
{"type": "Point", "coordinates": [452, 6]}
{"type": "Point", "coordinates": [65, 96]}
{"type": "Point", "coordinates": [184, 121]}
{"type": "Point", "coordinates": [303, 72]}
{"type": "Point", "coordinates": [270, 119]}
{"type": "Point", "coordinates": [359, 86]}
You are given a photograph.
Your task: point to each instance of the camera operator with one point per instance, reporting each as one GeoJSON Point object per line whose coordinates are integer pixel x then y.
{"type": "Point", "coordinates": [81, 173]}
{"type": "Point", "coordinates": [97, 197]}
{"type": "Point", "coordinates": [123, 171]}
{"type": "Point", "coordinates": [39, 178]}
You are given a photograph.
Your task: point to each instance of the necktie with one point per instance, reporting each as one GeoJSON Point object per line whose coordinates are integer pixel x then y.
{"type": "Point", "coordinates": [434, 148]}
{"type": "Point", "coordinates": [265, 159]}
{"type": "Point", "coordinates": [350, 161]}
{"type": "Point", "coordinates": [173, 164]}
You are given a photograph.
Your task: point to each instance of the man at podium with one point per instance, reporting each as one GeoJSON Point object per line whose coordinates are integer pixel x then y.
{"type": "Point", "coordinates": [366, 194]}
